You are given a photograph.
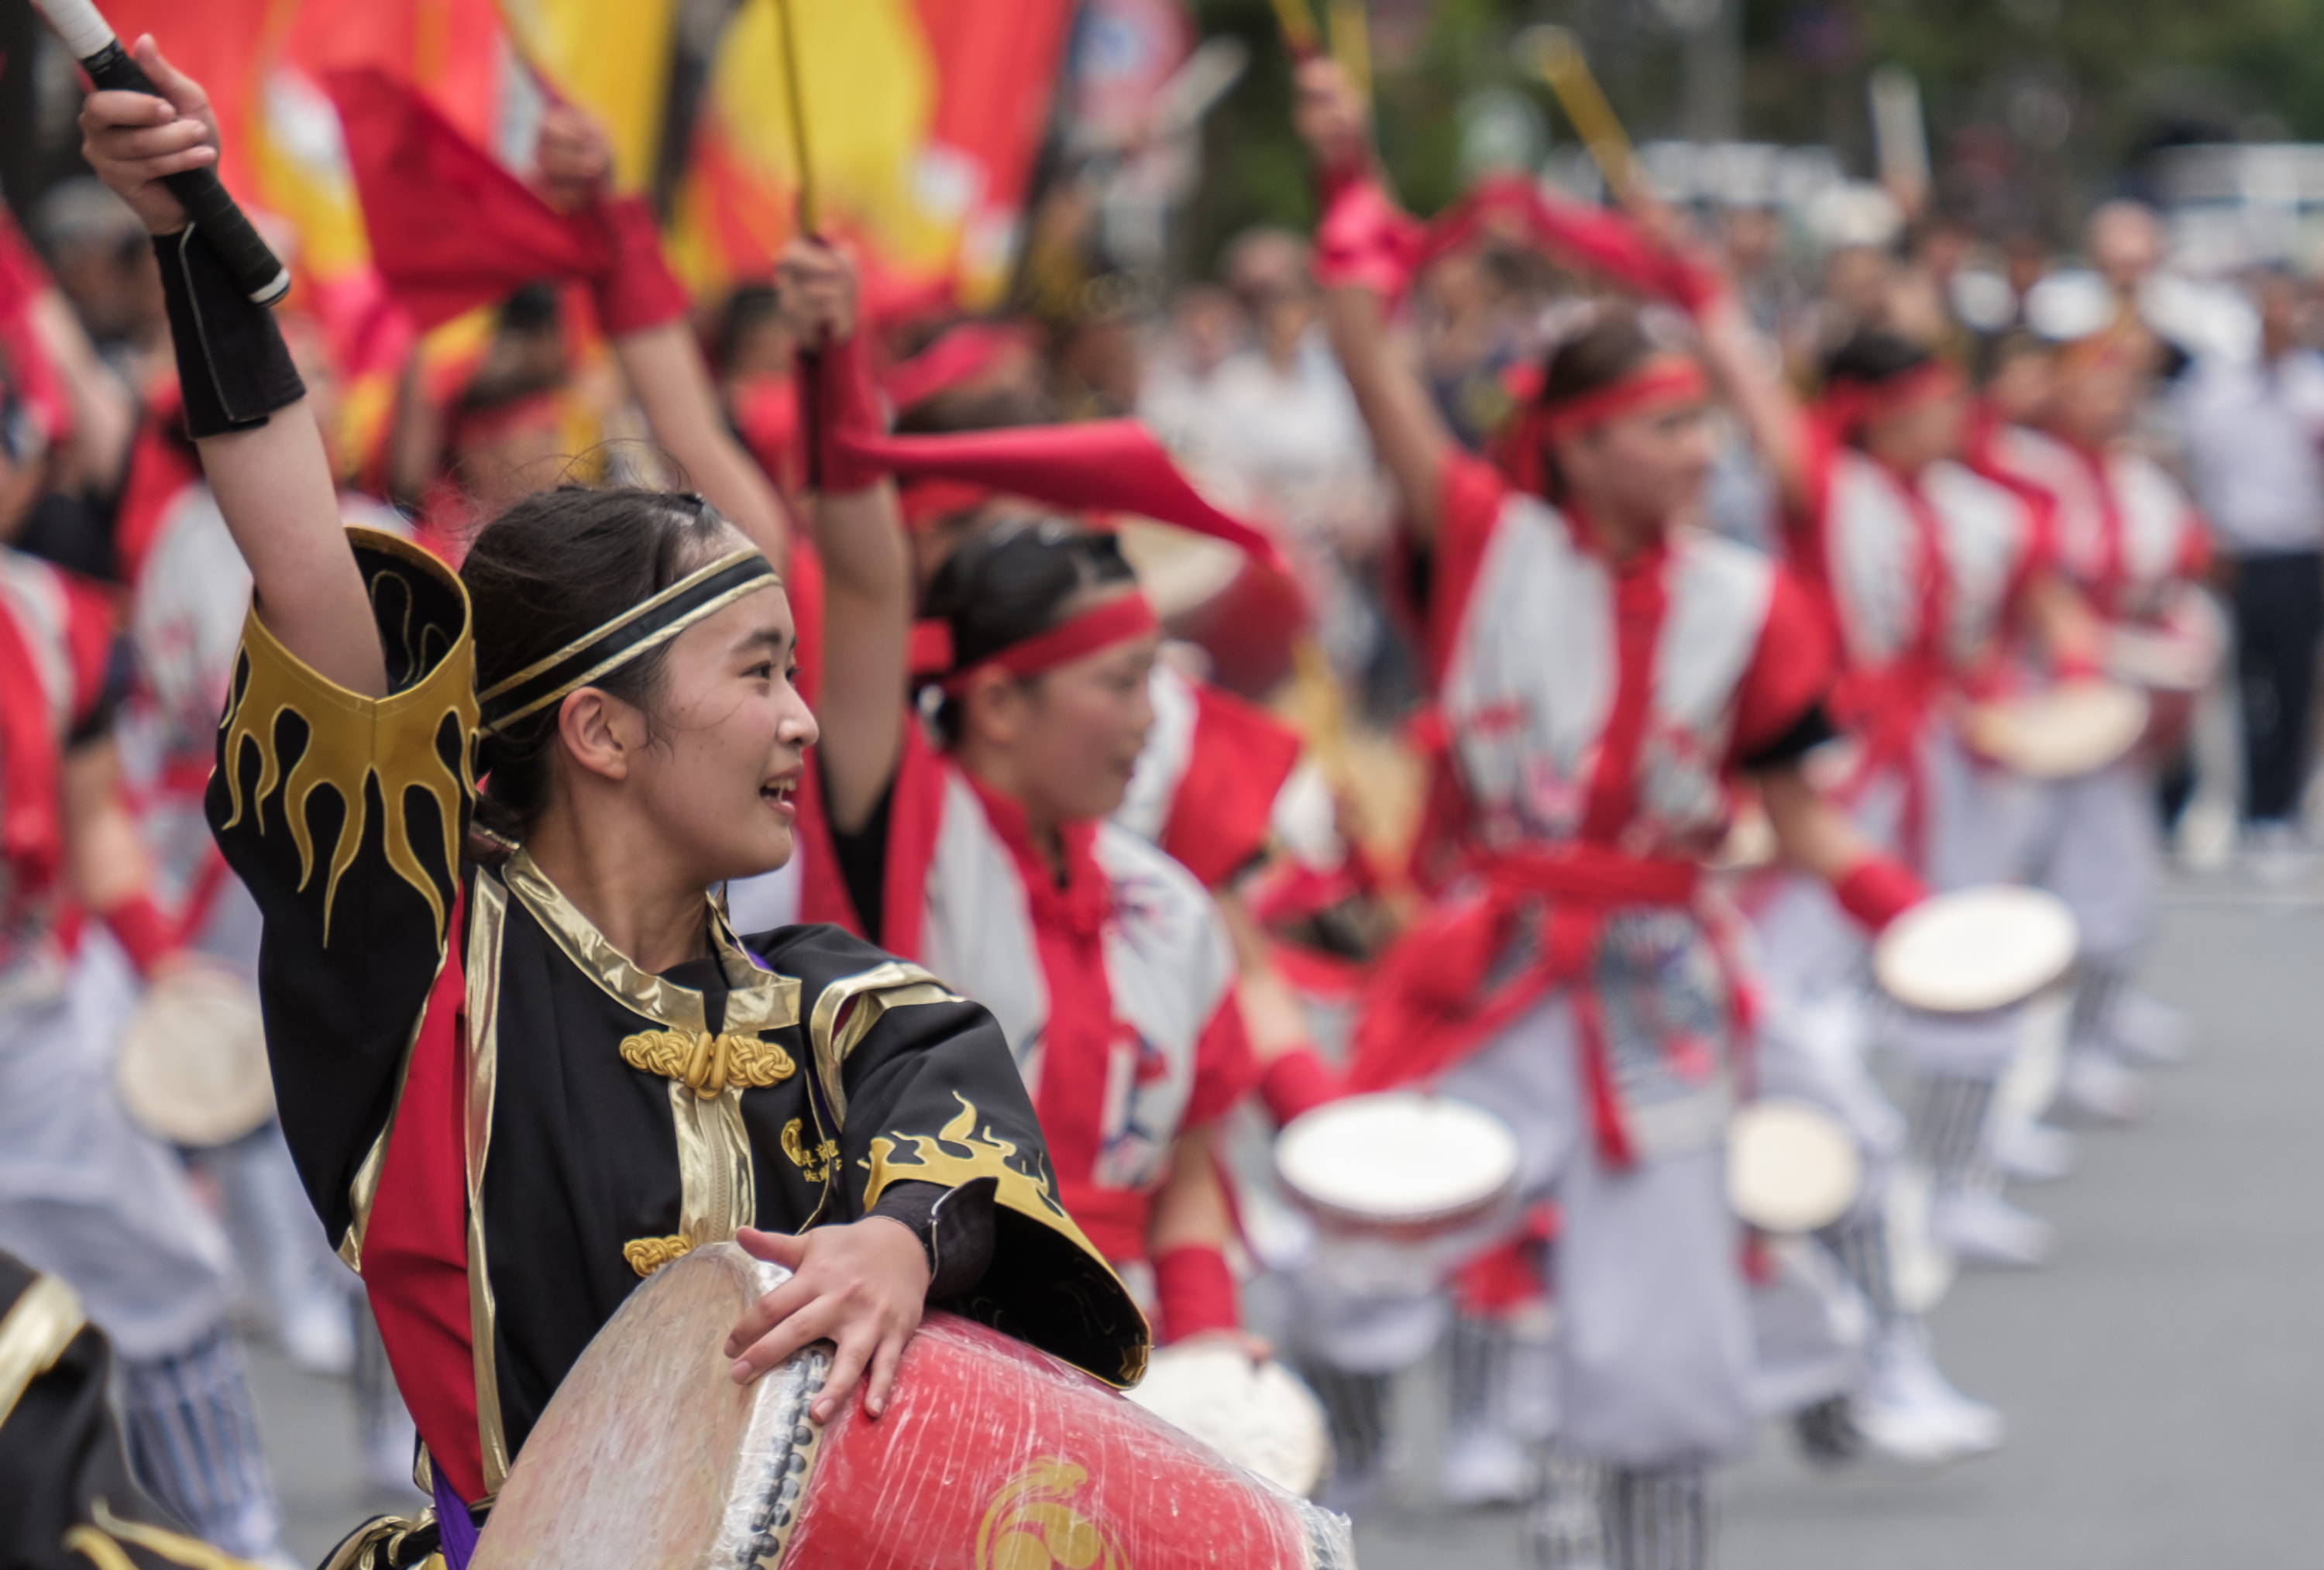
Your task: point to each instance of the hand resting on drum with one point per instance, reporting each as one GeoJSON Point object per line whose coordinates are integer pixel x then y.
{"type": "Point", "coordinates": [861, 1287]}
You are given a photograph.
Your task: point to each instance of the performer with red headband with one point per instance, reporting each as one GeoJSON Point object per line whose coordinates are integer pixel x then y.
{"type": "Point", "coordinates": [2129, 539]}
{"type": "Point", "coordinates": [1938, 584]}
{"type": "Point", "coordinates": [1606, 676]}
{"type": "Point", "coordinates": [517, 1084]}
{"type": "Point", "coordinates": [979, 843]}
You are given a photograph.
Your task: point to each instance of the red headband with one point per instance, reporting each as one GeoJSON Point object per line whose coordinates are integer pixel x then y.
{"type": "Point", "coordinates": [1117, 620]}
{"type": "Point", "coordinates": [1851, 404]}
{"type": "Point", "coordinates": [1663, 381]}
{"type": "Point", "coordinates": [928, 502]}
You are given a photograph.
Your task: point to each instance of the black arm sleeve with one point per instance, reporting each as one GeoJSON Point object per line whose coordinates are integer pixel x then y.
{"type": "Point", "coordinates": [1811, 730]}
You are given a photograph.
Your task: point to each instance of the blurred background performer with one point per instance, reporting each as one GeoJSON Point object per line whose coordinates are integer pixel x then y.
{"type": "Point", "coordinates": [83, 1192]}
{"type": "Point", "coordinates": [1605, 678]}
{"type": "Point", "coordinates": [2129, 540]}
{"type": "Point", "coordinates": [68, 1497]}
{"type": "Point", "coordinates": [982, 846]}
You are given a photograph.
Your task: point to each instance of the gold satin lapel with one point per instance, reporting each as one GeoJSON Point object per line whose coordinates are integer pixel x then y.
{"type": "Point", "coordinates": [823, 1029]}
{"type": "Point", "coordinates": [488, 923]}
{"type": "Point", "coordinates": [40, 1324]}
{"type": "Point", "coordinates": [759, 1000]}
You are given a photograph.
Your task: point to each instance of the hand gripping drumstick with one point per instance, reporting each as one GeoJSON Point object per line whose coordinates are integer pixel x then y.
{"type": "Point", "coordinates": [212, 211]}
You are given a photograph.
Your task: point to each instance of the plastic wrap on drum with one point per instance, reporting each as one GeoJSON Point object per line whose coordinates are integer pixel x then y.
{"type": "Point", "coordinates": [990, 1457]}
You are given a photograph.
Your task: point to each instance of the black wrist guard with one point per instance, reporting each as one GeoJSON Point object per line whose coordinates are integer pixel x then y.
{"type": "Point", "coordinates": [233, 368]}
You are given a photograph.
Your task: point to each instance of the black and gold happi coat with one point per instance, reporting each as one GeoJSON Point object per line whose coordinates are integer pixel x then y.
{"type": "Point", "coordinates": [67, 1499]}
{"type": "Point", "coordinates": [506, 1125]}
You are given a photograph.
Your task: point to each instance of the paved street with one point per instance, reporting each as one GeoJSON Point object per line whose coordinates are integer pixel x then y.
{"type": "Point", "coordinates": [2161, 1379]}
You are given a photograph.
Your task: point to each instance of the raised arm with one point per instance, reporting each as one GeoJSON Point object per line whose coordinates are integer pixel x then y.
{"type": "Point", "coordinates": [1749, 370]}
{"type": "Point", "coordinates": [260, 447]}
{"type": "Point", "coordinates": [643, 315]}
{"type": "Point", "coordinates": [858, 533]}
{"type": "Point", "coordinates": [1406, 431]}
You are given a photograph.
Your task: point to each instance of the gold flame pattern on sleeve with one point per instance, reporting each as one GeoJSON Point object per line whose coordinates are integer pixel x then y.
{"type": "Point", "coordinates": [353, 740]}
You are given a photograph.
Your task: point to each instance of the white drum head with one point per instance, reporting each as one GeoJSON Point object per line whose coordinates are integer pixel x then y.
{"type": "Point", "coordinates": [2061, 732]}
{"type": "Point", "coordinates": [192, 1066]}
{"type": "Point", "coordinates": [644, 1455]}
{"type": "Point", "coordinates": [1258, 1416]}
{"type": "Point", "coordinates": [1979, 948]}
{"type": "Point", "coordinates": [1791, 1166]}
{"type": "Point", "coordinates": [1399, 1158]}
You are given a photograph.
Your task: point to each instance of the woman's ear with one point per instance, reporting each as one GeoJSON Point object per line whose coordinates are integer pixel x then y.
{"type": "Point", "coordinates": [992, 708]}
{"type": "Point", "coordinates": [599, 732]}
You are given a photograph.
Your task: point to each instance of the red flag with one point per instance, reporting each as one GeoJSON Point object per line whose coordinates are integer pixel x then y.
{"type": "Point", "coordinates": [450, 228]}
{"type": "Point", "coordinates": [1097, 466]}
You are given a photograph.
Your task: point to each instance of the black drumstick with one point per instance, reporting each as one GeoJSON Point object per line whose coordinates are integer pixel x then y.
{"type": "Point", "coordinates": [216, 220]}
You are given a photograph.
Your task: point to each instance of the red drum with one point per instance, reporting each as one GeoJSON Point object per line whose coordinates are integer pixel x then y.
{"type": "Point", "coordinates": [991, 1457]}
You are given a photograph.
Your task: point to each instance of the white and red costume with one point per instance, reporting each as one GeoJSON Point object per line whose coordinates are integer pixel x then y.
{"type": "Point", "coordinates": [1578, 976]}
{"type": "Point", "coordinates": [1114, 984]}
{"type": "Point", "coordinates": [2130, 540]}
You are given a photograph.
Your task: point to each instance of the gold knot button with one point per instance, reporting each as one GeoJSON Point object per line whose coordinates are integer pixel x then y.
{"type": "Point", "coordinates": [649, 1254]}
{"type": "Point", "coordinates": [708, 1064]}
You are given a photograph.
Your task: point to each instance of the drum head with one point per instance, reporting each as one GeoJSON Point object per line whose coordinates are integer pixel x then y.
{"type": "Point", "coordinates": [1258, 1416]}
{"type": "Point", "coordinates": [1397, 1158]}
{"type": "Point", "coordinates": [1979, 948]}
{"type": "Point", "coordinates": [2061, 731]}
{"type": "Point", "coordinates": [192, 1066]}
{"type": "Point", "coordinates": [648, 1453]}
{"type": "Point", "coordinates": [1791, 1166]}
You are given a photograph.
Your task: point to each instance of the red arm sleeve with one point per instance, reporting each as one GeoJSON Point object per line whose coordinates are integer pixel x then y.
{"type": "Point", "coordinates": [1224, 1066]}
{"type": "Point", "coordinates": [1790, 673]}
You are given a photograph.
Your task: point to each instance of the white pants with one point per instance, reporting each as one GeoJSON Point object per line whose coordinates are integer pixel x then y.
{"type": "Point", "coordinates": [86, 1196]}
{"type": "Point", "coordinates": [1656, 1357]}
{"type": "Point", "coordinates": [2096, 843]}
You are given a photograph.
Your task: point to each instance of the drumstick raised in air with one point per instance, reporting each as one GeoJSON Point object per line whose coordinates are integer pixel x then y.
{"type": "Point", "coordinates": [1554, 54]}
{"type": "Point", "coordinates": [1351, 44]}
{"type": "Point", "coordinates": [1298, 28]}
{"type": "Point", "coordinates": [221, 224]}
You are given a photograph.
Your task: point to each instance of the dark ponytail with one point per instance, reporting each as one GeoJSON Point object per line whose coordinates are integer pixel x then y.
{"type": "Point", "coordinates": [546, 574]}
{"type": "Point", "coordinates": [1015, 579]}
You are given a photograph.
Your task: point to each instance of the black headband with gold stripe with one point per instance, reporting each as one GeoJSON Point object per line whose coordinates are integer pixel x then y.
{"type": "Point", "coordinates": [635, 631]}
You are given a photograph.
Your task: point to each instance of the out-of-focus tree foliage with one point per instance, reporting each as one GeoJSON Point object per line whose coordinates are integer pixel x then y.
{"type": "Point", "coordinates": [2054, 100]}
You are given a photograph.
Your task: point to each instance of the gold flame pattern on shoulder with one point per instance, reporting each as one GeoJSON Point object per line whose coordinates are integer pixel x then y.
{"type": "Point", "coordinates": [917, 1158]}
{"type": "Point", "coordinates": [353, 740]}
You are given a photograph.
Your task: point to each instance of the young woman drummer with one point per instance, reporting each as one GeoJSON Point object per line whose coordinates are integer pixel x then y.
{"type": "Point", "coordinates": [1604, 675]}
{"type": "Point", "coordinates": [2130, 539]}
{"type": "Point", "coordinates": [981, 845]}
{"type": "Point", "coordinates": [515, 1090]}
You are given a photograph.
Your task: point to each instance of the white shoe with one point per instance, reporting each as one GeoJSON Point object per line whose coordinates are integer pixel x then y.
{"type": "Point", "coordinates": [2146, 1030]}
{"type": "Point", "coordinates": [1984, 1228]}
{"type": "Point", "coordinates": [1909, 1411]}
{"type": "Point", "coordinates": [2276, 854]}
{"type": "Point", "coordinates": [319, 1333]}
{"type": "Point", "coordinates": [2034, 1152]}
{"type": "Point", "coordinates": [2097, 1089]}
{"type": "Point", "coordinates": [1483, 1465]}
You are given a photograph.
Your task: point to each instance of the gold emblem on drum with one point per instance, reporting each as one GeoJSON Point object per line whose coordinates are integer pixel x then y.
{"type": "Point", "coordinates": [649, 1254]}
{"type": "Point", "coordinates": [1031, 1524]}
{"type": "Point", "coordinates": [708, 1064]}
{"type": "Point", "coordinates": [814, 1164]}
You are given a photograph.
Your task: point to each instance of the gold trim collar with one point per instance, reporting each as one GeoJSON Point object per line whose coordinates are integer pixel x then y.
{"type": "Point", "coordinates": [759, 1000]}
